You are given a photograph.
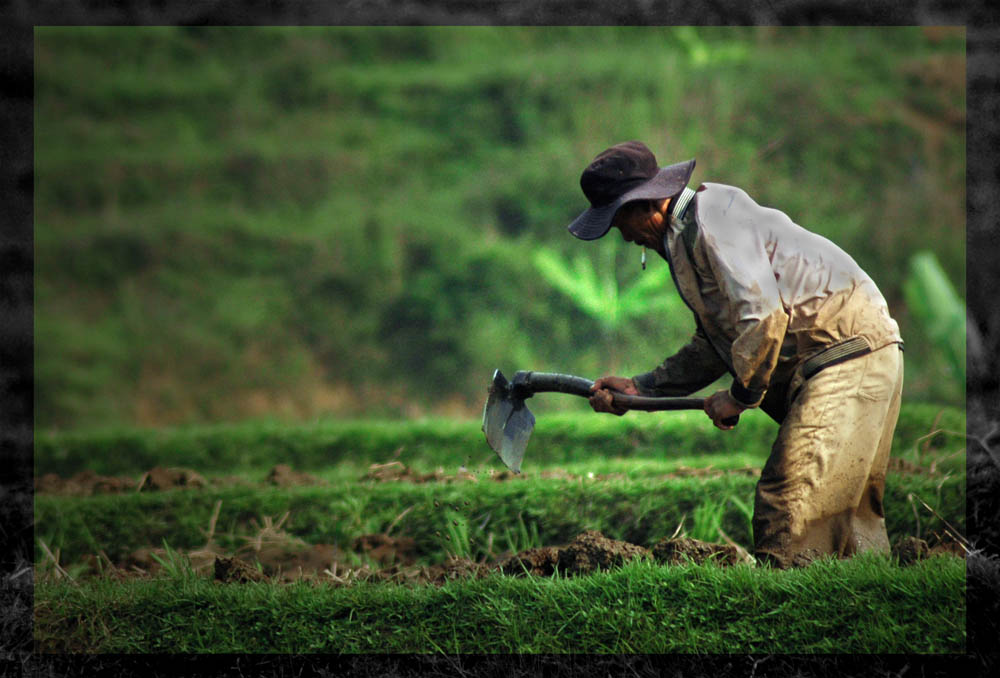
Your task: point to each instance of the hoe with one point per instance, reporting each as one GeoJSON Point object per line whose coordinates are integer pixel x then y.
{"type": "Point", "coordinates": [508, 423]}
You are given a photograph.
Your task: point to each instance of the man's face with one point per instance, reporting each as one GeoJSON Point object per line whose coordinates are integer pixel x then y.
{"type": "Point", "coordinates": [638, 223]}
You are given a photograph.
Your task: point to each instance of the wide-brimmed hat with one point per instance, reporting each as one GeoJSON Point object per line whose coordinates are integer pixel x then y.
{"type": "Point", "coordinates": [623, 173]}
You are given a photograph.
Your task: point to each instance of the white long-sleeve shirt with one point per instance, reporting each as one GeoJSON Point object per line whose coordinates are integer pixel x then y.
{"type": "Point", "coordinates": [767, 295]}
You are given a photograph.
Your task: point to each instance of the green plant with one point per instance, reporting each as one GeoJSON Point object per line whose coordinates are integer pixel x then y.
{"type": "Point", "coordinates": [456, 542]}
{"type": "Point", "coordinates": [706, 519]}
{"type": "Point", "coordinates": [598, 293]}
{"type": "Point", "coordinates": [175, 564]}
{"type": "Point", "coordinates": [600, 296]}
{"type": "Point", "coordinates": [746, 510]}
{"type": "Point", "coordinates": [941, 312]}
{"type": "Point", "coordinates": [522, 537]}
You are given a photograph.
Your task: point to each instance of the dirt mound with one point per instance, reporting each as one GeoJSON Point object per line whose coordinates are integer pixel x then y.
{"type": "Point", "coordinates": [709, 472]}
{"type": "Point", "coordinates": [678, 550]}
{"type": "Point", "coordinates": [84, 483]}
{"type": "Point", "coordinates": [290, 561]}
{"type": "Point", "coordinates": [282, 475]}
{"type": "Point", "coordinates": [397, 471]}
{"type": "Point", "coordinates": [231, 570]}
{"type": "Point", "coordinates": [386, 550]}
{"type": "Point", "coordinates": [909, 550]}
{"type": "Point", "coordinates": [591, 550]}
{"type": "Point", "coordinates": [159, 478]}
{"type": "Point", "coordinates": [456, 568]}
{"type": "Point", "coordinates": [540, 562]}
{"type": "Point", "coordinates": [87, 483]}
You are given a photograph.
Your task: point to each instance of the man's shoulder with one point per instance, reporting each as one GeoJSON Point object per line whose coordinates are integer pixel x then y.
{"type": "Point", "coordinates": [708, 191]}
{"type": "Point", "coordinates": [716, 202]}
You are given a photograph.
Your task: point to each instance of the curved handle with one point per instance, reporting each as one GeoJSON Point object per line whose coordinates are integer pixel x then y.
{"type": "Point", "coordinates": [630, 402]}
{"type": "Point", "coordinates": [525, 384]}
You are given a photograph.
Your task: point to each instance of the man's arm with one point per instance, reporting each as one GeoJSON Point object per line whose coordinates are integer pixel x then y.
{"type": "Point", "coordinates": [737, 255]}
{"type": "Point", "coordinates": [694, 366]}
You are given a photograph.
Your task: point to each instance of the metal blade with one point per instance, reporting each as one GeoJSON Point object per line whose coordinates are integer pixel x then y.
{"type": "Point", "coordinates": [497, 410]}
{"type": "Point", "coordinates": [516, 433]}
{"type": "Point", "coordinates": [507, 423]}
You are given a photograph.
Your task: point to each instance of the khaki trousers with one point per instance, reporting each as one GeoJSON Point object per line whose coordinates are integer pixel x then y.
{"type": "Point", "coordinates": [822, 488]}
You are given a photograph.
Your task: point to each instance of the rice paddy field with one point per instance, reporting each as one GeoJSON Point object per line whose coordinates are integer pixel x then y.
{"type": "Point", "coordinates": [620, 536]}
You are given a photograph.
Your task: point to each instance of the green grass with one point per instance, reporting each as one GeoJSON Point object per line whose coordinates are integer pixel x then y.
{"type": "Point", "coordinates": [642, 607]}
{"type": "Point", "coordinates": [558, 438]}
{"type": "Point", "coordinates": [878, 607]}
{"type": "Point", "coordinates": [638, 511]}
{"type": "Point", "coordinates": [635, 500]}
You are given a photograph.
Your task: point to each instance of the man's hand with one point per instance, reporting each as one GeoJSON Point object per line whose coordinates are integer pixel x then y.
{"type": "Point", "coordinates": [719, 406]}
{"type": "Point", "coordinates": [602, 400]}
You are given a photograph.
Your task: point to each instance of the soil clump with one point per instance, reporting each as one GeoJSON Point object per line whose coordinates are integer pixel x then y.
{"type": "Point", "coordinates": [386, 550]}
{"type": "Point", "coordinates": [290, 562]}
{"type": "Point", "coordinates": [591, 551]}
{"type": "Point", "coordinates": [909, 550]}
{"type": "Point", "coordinates": [282, 475]}
{"type": "Point", "coordinates": [456, 568]}
{"type": "Point", "coordinates": [397, 471]}
{"type": "Point", "coordinates": [588, 552]}
{"type": "Point", "coordinates": [85, 483]}
{"type": "Point", "coordinates": [159, 478]}
{"type": "Point", "coordinates": [540, 562]}
{"type": "Point", "coordinates": [679, 550]}
{"type": "Point", "coordinates": [234, 570]}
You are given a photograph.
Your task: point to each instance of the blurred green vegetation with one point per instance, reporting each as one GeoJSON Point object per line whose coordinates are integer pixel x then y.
{"type": "Point", "coordinates": [932, 299]}
{"type": "Point", "coordinates": [297, 222]}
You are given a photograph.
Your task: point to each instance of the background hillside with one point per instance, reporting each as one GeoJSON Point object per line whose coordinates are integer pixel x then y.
{"type": "Point", "coordinates": [304, 222]}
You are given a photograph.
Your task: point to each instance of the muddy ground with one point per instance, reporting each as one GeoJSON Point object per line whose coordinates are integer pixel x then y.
{"type": "Point", "coordinates": [283, 558]}
{"type": "Point", "coordinates": [274, 554]}
{"type": "Point", "coordinates": [393, 559]}
{"type": "Point", "coordinates": [87, 483]}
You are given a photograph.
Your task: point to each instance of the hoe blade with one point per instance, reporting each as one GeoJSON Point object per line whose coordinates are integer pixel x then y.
{"type": "Point", "coordinates": [507, 423]}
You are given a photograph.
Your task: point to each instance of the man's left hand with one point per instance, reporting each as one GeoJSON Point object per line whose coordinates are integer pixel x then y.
{"type": "Point", "coordinates": [720, 406]}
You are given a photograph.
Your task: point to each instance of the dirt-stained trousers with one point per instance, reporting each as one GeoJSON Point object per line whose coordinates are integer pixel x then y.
{"type": "Point", "coordinates": [821, 490]}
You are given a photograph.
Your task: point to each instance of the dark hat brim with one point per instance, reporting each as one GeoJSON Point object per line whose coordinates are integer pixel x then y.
{"type": "Point", "coordinates": [594, 222]}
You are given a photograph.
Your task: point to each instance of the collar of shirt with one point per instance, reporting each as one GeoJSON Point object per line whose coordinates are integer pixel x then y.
{"type": "Point", "coordinates": [679, 212]}
{"type": "Point", "coordinates": [683, 200]}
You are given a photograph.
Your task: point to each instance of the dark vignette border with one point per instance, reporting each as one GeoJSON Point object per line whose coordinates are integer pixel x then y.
{"type": "Point", "coordinates": [983, 285]}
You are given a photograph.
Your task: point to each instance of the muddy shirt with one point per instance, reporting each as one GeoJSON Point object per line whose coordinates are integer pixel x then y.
{"type": "Point", "coordinates": [767, 295]}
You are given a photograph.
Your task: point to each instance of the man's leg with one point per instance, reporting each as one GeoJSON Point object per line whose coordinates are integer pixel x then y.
{"type": "Point", "coordinates": [822, 487]}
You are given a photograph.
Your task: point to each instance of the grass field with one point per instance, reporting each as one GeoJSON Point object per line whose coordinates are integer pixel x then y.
{"type": "Point", "coordinates": [867, 605]}
{"type": "Point", "coordinates": [128, 567]}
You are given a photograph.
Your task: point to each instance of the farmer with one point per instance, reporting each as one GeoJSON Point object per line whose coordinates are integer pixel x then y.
{"type": "Point", "coordinates": [804, 332]}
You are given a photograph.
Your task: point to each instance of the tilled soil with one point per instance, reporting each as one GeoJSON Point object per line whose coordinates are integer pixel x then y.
{"type": "Point", "coordinates": [392, 559]}
{"type": "Point", "coordinates": [84, 483]}
{"type": "Point", "coordinates": [386, 550]}
{"type": "Point", "coordinates": [282, 475]}
{"type": "Point", "coordinates": [87, 483]}
{"type": "Point", "coordinates": [276, 555]}
{"type": "Point", "coordinates": [675, 551]}
{"type": "Point", "coordinates": [158, 478]}
{"type": "Point", "coordinates": [589, 552]}
{"type": "Point", "coordinates": [911, 549]}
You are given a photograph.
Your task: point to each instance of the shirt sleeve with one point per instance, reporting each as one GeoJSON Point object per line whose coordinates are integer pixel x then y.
{"type": "Point", "coordinates": [694, 366]}
{"type": "Point", "coordinates": [741, 266]}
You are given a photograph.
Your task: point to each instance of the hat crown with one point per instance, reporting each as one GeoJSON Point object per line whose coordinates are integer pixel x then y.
{"type": "Point", "coordinates": [616, 171]}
